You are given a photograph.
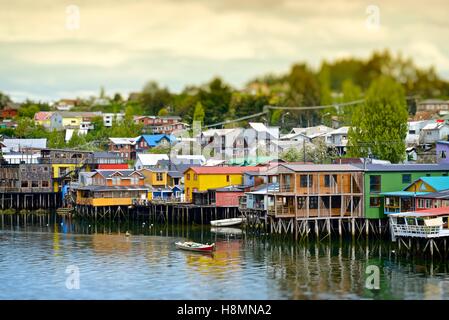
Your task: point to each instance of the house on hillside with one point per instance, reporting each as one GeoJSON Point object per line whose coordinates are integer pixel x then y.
{"type": "Point", "coordinates": [149, 160]}
{"type": "Point", "coordinates": [125, 147]}
{"type": "Point", "coordinates": [433, 132]}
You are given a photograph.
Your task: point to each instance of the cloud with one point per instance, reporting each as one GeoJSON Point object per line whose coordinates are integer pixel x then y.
{"type": "Point", "coordinates": [122, 44]}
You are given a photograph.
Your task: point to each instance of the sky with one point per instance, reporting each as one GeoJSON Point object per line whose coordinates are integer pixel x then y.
{"type": "Point", "coordinates": [52, 49]}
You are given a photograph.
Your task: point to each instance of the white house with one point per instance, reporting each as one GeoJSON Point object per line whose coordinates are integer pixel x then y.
{"type": "Point", "coordinates": [414, 131]}
{"type": "Point", "coordinates": [148, 160]}
{"type": "Point", "coordinates": [433, 132]}
{"type": "Point", "coordinates": [109, 118]}
{"type": "Point", "coordinates": [312, 132]}
{"type": "Point", "coordinates": [20, 157]}
{"type": "Point", "coordinates": [338, 138]}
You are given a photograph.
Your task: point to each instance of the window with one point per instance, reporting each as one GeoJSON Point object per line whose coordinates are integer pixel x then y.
{"type": "Point", "coordinates": [429, 133]}
{"type": "Point", "coordinates": [195, 177]}
{"type": "Point", "coordinates": [412, 131]}
{"type": "Point", "coordinates": [35, 184]}
{"type": "Point", "coordinates": [227, 178]}
{"type": "Point", "coordinates": [24, 184]}
{"type": "Point", "coordinates": [443, 154]}
{"type": "Point", "coordinates": [159, 176]}
{"type": "Point", "coordinates": [374, 202]}
{"type": "Point", "coordinates": [305, 181]}
{"type": "Point", "coordinates": [374, 183]}
{"type": "Point", "coordinates": [188, 176]}
{"type": "Point", "coordinates": [406, 178]}
{"type": "Point", "coordinates": [328, 181]}
{"type": "Point", "coordinates": [313, 203]}
{"type": "Point", "coordinates": [45, 184]}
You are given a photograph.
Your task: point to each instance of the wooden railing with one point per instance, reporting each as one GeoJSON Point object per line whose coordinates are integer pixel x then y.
{"type": "Point", "coordinates": [404, 230]}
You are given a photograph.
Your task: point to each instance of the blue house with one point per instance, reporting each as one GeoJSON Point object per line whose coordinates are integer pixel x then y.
{"type": "Point", "coordinates": [148, 141]}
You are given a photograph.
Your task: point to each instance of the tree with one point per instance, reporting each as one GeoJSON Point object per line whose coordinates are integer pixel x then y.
{"type": "Point", "coordinates": [162, 112]}
{"type": "Point", "coordinates": [291, 155]}
{"type": "Point", "coordinates": [380, 124]}
{"type": "Point", "coordinates": [77, 140]}
{"type": "Point", "coordinates": [154, 98]}
{"type": "Point", "coordinates": [198, 114]}
{"type": "Point", "coordinates": [304, 90]}
{"type": "Point", "coordinates": [351, 92]}
{"type": "Point", "coordinates": [4, 100]}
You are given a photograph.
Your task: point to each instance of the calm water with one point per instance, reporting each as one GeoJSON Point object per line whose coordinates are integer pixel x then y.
{"type": "Point", "coordinates": [35, 254]}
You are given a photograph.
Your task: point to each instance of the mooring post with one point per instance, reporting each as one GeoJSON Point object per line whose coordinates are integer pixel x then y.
{"type": "Point", "coordinates": [353, 227]}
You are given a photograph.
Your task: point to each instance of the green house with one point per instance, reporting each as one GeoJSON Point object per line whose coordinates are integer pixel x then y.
{"type": "Point", "coordinates": [380, 178]}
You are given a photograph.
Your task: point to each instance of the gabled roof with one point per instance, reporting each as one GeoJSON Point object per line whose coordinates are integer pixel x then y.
{"type": "Point", "coordinates": [405, 167]}
{"type": "Point", "coordinates": [342, 130]}
{"type": "Point", "coordinates": [221, 170]}
{"type": "Point", "coordinates": [434, 126]}
{"type": "Point", "coordinates": [437, 183]}
{"type": "Point", "coordinates": [42, 115]}
{"type": "Point", "coordinates": [320, 167]}
{"type": "Point", "coordinates": [131, 141]}
{"type": "Point", "coordinates": [124, 173]}
{"type": "Point", "coordinates": [154, 139]}
{"type": "Point", "coordinates": [151, 159]}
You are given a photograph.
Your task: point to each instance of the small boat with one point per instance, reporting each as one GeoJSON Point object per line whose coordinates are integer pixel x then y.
{"type": "Point", "coordinates": [226, 222]}
{"type": "Point", "coordinates": [193, 246]}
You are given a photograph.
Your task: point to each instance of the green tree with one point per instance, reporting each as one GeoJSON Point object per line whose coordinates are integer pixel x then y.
{"type": "Point", "coordinates": [380, 124]}
{"type": "Point", "coordinates": [4, 100]}
{"type": "Point", "coordinates": [198, 114]}
{"type": "Point", "coordinates": [154, 98]}
{"type": "Point", "coordinates": [351, 92]}
{"type": "Point", "coordinates": [162, 112]}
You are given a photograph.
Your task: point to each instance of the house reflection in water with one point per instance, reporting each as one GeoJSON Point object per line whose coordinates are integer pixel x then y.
{"type": "Point", "coordinates": [226, 258]}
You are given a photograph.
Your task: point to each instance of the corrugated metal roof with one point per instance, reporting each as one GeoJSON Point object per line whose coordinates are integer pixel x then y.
{"type": "Point", "coordinates": [405, 167]}
{"type": "Point", "coordinates": [113, 188]}
{"type": "Point", "coordinates": [221, 170]}
{"type": "Point", "coordinates": [423, 213]}
{"type": "Point", "coordinates": [438, 183]}
{"type": "Point", "coordinates": [25, 143]}
{"type": "Point", "coordinates": [403, 193]}
{"type": "Point", "coordinates": [320, 167]}
{"type": "Point", "coordinates": [154, 139]}
{"type": "Point", "coordinates": [123, 173]}
{"type": "Point", "coordinates": [436, 195]}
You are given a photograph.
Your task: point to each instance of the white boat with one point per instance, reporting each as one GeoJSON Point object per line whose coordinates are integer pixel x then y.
{"type": "Point", "coordinates": [193, 246]}
{"type": "Point", "coordinates": [226, 222]}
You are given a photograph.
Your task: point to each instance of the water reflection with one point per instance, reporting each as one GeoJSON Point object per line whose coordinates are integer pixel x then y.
{"type": "Point", "coordinates": [36, 250]}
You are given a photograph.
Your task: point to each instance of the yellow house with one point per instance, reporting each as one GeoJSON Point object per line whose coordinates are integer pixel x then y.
{"type": "Point", "coordinates": [155, 177]}
{"type": "Point", "coordinates": [204, 178]}
{"type": "Point", "coordinates": [42, 118]}
{"type": "Point", "coordinates": [60, 170]}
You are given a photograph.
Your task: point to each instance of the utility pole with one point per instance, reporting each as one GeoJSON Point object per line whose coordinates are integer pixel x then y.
{"type": "Point", "coordinates": [304, 149]}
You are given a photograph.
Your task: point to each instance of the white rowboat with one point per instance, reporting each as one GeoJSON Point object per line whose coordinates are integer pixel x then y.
{"type": "Point", "coordinates": [226, 222]}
